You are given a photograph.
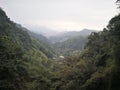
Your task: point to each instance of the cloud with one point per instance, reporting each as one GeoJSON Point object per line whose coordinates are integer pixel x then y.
{"type": "Point", "coordinates": [61, 14]}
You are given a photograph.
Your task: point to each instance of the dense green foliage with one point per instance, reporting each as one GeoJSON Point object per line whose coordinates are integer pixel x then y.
{"type": "Point", "coordinates": [23, 59]}
{"type": "Point", "coordinates": [25, 62]}
{"type": "Point", "coordinates": [97, 67]}
{"type": "Point", "coordinates": [71, 46]}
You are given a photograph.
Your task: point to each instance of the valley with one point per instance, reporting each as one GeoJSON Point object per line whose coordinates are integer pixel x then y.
{"type": "Point", "coordinates": [74, 60]}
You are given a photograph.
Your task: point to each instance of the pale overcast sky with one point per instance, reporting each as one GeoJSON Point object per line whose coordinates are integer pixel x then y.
{"type": "Point", "coordinates": [61, 14]}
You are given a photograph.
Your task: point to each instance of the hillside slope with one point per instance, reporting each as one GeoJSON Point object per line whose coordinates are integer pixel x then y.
{"type": "Point", "coordinates": [23, 58]}
{"type": "Point", "coordinates": [25, 62]}
{"type": "Point", "coordinates": [70, 46]}
{"type": "Point", "coordinates": [70, 34]}
{"type": "Point", "coordinates": [98, 65]}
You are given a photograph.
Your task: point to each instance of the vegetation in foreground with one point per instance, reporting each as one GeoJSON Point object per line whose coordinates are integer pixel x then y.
{"type": "Point", "coordinates": [25, 62]}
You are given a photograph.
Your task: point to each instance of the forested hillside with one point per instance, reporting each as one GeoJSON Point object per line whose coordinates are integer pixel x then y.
{"type": "Point", "coordinates": [63, 36]}
{"type": "Point", "coordinates": [71, 46]}
{"type": "Point", "coordinates": [97, 67]}
{"type": "Point", "coordinates": [26, 61]}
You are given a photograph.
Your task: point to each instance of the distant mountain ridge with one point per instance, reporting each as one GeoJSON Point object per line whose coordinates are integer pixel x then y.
{"type": "Point", "coordinates": [47, 32]}
{"type": "Point", "coordinates": [70, 46]}
{"type": "Point", "coordinates": [38, 36]}
{"type": "Point", "coordinates": [70, 34]}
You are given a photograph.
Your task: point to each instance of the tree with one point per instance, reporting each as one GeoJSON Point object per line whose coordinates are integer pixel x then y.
{"type": "Point", "coordinates": [118, 3]}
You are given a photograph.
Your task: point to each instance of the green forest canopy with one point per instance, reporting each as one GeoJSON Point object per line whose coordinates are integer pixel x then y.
{"type": "Point", "coordinates": [25, 66]}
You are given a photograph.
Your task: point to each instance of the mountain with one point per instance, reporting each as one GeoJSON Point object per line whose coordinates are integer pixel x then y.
{"type": "Point", "coordinates": [86, 32]}
{"type": "Point", "coordinates": [38, 36]}
{"type": "Point", "coordinates": [43, 31]}
{"type": "Point", "coordinates": [73, 45]}
{"type": "Point", "coordinates": [66, 35]}
{"type": "Point", "coordinates": [97, 67]}
{"type": "Point", "coordinates": [69, 43]}
{"type": "Point", "coordinates": [24, 60]}
{"type": "Point", "coordinates": [26, 63]}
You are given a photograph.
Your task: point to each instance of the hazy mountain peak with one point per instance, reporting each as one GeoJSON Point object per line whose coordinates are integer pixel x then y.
{"type": "Point", "coordinates": [47, 32]}
{"type": "Point", "coordinates": [69, 34]}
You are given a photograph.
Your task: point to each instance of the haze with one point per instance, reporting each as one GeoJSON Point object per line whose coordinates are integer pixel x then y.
{"type": "Point", "coordinates": [61, 15]}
